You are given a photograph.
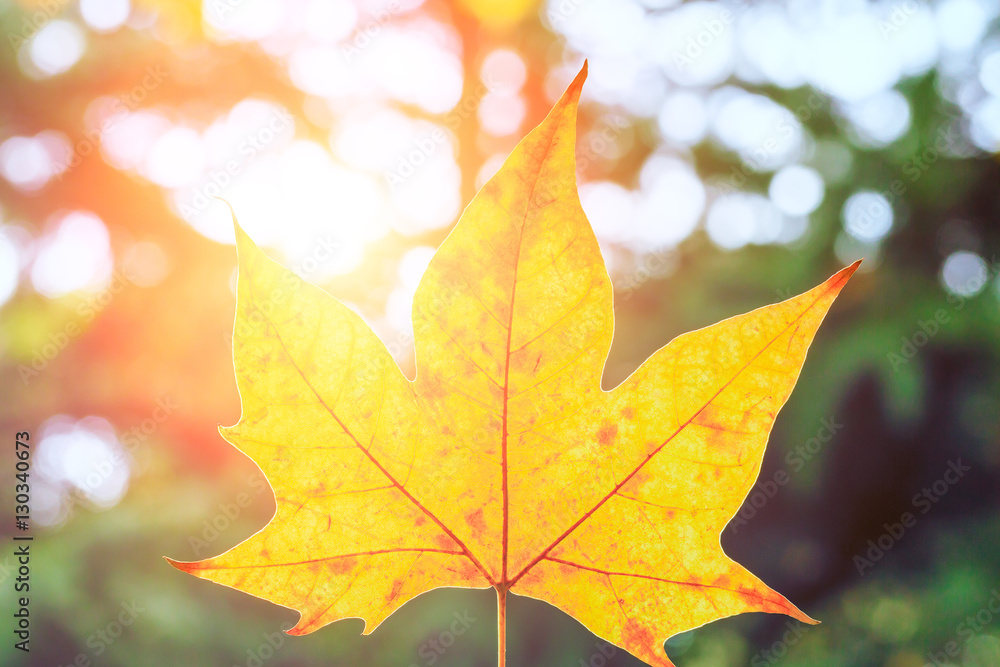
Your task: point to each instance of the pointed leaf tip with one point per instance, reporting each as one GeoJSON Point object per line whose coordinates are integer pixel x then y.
{"type": "Point", "coordinates": [839, 279]}
{"type": "Point", "coordinates": [242, 238]}
{"type": "Point", "coordinates": [298, 630]}
{"type": "Point", "coordinates": [572, 94]}
{"type": "Point", "coordinates": [181, 565]}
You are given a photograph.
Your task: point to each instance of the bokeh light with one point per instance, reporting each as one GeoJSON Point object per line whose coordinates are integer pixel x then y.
{"type": "Point", "coordinates": [796, 190]}
{"type": "Point", "coordinates": [964, 273]}
{"type": "Point", "coordinates": [400, 302]}
{"type": "Point", "coordinates": [961, 23]}
{"type": "Point", "coordinates": [672, 199]}
{"type": "Point", "coordinates": [9, 266]}
{"type": "Point", "coordinates": [879, 120]}
{"type": "Point", "coordinates": [504, 68]}
{"type": "Point", "coordinates": [75, 254]}
{"type": "Point", "coordinates": [57, 47]}
{"type": "Point", "coordinates": [104, 15]}
{"type": "Point", "coordinates": [989, 72]}
{"type": "Point", "coordinates": [683, 118]}
{"type": "Point", "coordinates": [501, 114]}
{"type": "Point", "coordinates": [734, 220]}
{"type": "Point", "coordinates": [30, 162]}
{"type": "Point", "coordinates": [610, 209]}
{"type": "Point", "coordinates": [130, 139]}
{"type": "Point", "coordinates": [867, 216]}
{"type": "Point", "coordinates": [764, 134]}
{"type": "Point", "coordinates": [176, 158]}
{"type": "Point", "coordinates": [78, 458]}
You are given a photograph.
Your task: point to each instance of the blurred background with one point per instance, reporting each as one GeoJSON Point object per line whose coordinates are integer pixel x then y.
{"type": "Point", "coordinates": [731, 154]}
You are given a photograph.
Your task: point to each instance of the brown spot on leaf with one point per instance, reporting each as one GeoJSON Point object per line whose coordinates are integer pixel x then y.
{"type": "Point", "coordinates": [640, 477]}
{"type": "Point", "coordinates": [639, 634]}
{"type": "Point", "coordinates": [434, 389]}
{"type": "Point", "coordinates": [476, 522]}
{"type": "Point", "coordinates": [342, 565]}
{"type": "Point", "coordinates": [445, 542]}
{"type": "Point", "coordinates": [606, 434]}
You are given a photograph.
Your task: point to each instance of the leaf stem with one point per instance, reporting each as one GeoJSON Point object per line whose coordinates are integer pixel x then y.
{"type": "Point", "coordinates": [502, 626]}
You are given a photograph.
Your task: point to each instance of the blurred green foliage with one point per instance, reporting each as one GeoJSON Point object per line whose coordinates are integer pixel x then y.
{"type": "Point", "coordinates": [902, 422]}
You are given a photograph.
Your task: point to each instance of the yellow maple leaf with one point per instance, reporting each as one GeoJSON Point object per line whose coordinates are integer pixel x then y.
{"type": "Point", "coordinates": [504, 463]}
